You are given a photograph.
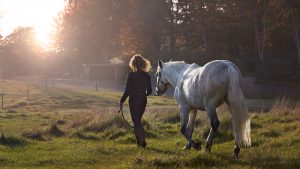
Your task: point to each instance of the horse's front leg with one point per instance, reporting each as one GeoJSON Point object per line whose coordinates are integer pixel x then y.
{"type": "Point", "coordinates": [187, 127]}
{"type": "Point", "coordinates": [214, 123]}
{"type": "Point", "coordinates": [190, 129]}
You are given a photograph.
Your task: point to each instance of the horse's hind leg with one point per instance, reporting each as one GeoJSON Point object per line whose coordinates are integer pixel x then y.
{"type": "Point", "coordinates": [214, 123]}
{"type": "Point", "coordinates": [236, 150]}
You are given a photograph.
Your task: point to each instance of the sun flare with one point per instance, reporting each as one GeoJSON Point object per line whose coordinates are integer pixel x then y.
{"type": "Point", "coordinates": [43, 38]}
{"type": "Point", "coordinates": [39, 14]}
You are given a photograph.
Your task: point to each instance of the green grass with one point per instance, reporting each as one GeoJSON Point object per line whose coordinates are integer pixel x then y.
{"type": "Point", "coordinates": [77, 128]}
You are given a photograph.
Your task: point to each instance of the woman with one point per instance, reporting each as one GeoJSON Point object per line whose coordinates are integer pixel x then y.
{"type": "Point", "coordinates": [138, 87]}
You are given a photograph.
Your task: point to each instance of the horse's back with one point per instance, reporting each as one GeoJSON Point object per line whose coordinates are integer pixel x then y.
{"type": "Point", "coordinates": [207, 84]}
{"type": "Point", "coordinates": [216, 72]}
{"type": "Point", "coordinates": [214, 81]}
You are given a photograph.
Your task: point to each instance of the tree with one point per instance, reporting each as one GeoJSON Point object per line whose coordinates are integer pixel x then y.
{"type": "Point", "coordinates": [86, 30]}
{"type": "Point", "coordinates": [95, 31]}
{"type": "Point", "coordinates": [172, 19]}
{"type": "Point", "coordinates": [260, 26]}
{"type": "Point", "coordinates": [253, 32]}
{"type": "Point", "coordinates": [294, 8]}
{"type": "Point", "coordinates": [20, 53]}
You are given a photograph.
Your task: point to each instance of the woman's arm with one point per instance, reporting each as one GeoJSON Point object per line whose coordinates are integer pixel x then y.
{"type": "Point", "coordinates": [149, 86]}
{"type": "Point", "coordinates": [127, 89]}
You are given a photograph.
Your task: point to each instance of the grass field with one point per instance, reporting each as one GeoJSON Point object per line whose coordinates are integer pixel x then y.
{"type": "Point", "coordinates": [78, 128]}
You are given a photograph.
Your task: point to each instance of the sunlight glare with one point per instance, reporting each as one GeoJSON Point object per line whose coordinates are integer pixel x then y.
{"type": "Point", "coordinates": [39, 14]}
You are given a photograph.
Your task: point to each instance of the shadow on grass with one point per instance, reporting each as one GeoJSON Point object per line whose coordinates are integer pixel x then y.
{"type": "Point", "coordinates": [103, 150]}
{"type": "Point", "coordinates": [43, 135]}
{"type": "Point", "coordinates": [12, 141]}
{"type": "Point", "coordinates": [274, 162]}
{"type": "Point", "coordinates": [3, 160]}
{"type": "Point", "coordinates": [270, 133]}
{"type": "Point", "coordinates": [128, 140]}
{"type": "Point", "coordinates": [85, 136]}
{"type": "Point", "coordinates": [116, 121]}
{"type": "Point", "coordinates": [255, 124]}
{"type": "Point", "coordinates": [224, 132]}
{"type": "Point", "coordinates": [258, 161]}
{"type": "Point", "coordinates": [203, 161]}
{"type": "Point", "coordinates": [150, 134]}
{"type": "Point", "coordinates": [162, 163]}
{"type": "Point", "coordinates": [171, 118]}
{"type": "Point", "coordinates": [34, 134]}
{"type": "Point", "coordinates": [55, 131]}
{"type": "Point", "coordinates": [162, 151]}
{"type": "Point", "coordinates": [114, 134]}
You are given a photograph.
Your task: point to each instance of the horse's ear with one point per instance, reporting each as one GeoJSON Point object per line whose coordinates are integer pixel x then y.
{"type": "Point", "coordinates": [160, 64]}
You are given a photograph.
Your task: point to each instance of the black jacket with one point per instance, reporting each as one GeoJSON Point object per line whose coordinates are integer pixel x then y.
{"type": "Point", "coordinates": [137, 83]}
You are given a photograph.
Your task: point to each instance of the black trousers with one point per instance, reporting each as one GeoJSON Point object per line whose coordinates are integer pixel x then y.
{"type": "Point", "coordinates": [137, 105]}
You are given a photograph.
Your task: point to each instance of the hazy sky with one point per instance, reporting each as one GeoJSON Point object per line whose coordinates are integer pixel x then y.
{"type": "Point", "coordinates": [38, 14]}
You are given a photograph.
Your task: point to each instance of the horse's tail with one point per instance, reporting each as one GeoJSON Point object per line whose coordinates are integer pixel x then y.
{"type": "Point", "coordinates": [238, 108]}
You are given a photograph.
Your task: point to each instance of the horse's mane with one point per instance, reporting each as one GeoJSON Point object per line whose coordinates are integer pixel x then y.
{"type": "Point", "coordinates": [174, 64]}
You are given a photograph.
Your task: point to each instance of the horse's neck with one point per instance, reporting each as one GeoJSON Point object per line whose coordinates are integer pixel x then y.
{"type": "Point", "coordinates": [175, 72]}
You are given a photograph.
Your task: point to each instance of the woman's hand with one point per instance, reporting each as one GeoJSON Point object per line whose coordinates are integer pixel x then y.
{"type": "Point", "coordinates": [121, 107]}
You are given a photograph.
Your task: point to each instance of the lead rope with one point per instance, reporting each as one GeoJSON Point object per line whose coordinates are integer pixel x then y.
{"type": "Point", "coordinates": [128, 124]}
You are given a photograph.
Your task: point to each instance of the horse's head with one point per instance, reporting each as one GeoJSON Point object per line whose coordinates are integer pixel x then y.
{"type": "Point", "coordinates": [162, 82]}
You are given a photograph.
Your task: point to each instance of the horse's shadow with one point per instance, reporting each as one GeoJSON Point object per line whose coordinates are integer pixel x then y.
{"type": "Point", "coordinates": [162, 151]}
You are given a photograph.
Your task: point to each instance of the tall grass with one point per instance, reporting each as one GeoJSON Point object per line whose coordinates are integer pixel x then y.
{"type": "Point", "coordinates": [286, 105]}
{"type": "Point", "coordinates": [97, 137]}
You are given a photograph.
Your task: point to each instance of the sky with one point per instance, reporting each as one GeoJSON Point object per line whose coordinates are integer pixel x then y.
{"type": "Point", "coordinates": [39, 14]}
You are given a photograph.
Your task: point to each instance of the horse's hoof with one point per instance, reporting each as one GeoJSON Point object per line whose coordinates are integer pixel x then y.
{"type": "Point", "coordinates": [187, 147]}
{"type": "Point", "coordinates": [235, 157]}
{"type": "Point", "coordinates": [197, 146]}
{"type": "Point", "coordinates": [236, 152]}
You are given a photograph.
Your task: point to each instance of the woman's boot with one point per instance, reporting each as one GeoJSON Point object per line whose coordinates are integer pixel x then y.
{"type": "Point", "coordinates": [140, 136]}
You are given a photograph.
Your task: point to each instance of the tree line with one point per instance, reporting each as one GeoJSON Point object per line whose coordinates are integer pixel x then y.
{"type": "Point", "coordinates": [259, 35]}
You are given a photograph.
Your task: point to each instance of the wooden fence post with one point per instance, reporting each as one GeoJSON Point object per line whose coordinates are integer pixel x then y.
{"type": "Point", "coordinates": [27, 92]}
{"type": "Point", "coordinates": [46, 83]}
{"type": "Point", "coordinates": [2, 100]}
{"type": "Point", "coordinates": [96, 85]}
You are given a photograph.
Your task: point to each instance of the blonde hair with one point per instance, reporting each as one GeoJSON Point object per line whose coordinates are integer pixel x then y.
{"type": "Point", "coordinates": [139, 63]}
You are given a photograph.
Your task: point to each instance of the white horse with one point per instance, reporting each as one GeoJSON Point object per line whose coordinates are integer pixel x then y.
{"type": "Point", "coordinates": [206, 88]}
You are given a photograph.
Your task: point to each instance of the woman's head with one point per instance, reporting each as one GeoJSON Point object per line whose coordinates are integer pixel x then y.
{"type": "Point", "coordinates": [139, 63]}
